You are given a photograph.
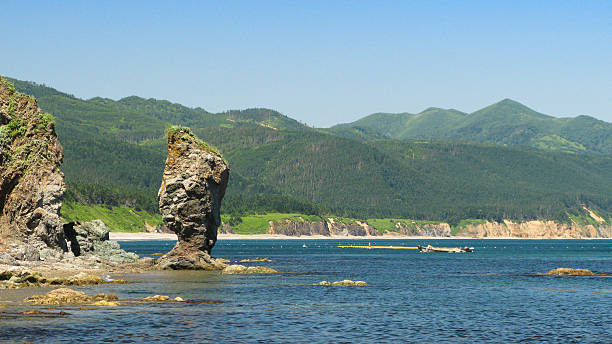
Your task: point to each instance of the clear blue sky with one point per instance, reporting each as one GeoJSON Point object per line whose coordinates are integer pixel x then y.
{"type": "Point", "coordinates": [321, 62]}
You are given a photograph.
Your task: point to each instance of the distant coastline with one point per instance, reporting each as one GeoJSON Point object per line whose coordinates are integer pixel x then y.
{"type": "Point", "coordinates": [121, 236]}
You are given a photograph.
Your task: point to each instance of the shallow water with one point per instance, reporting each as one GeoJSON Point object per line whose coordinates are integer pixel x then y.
{"type": "Point", "coordinates": [491, 295]}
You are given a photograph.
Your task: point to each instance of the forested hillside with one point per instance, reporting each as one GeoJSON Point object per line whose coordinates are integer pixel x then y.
{"type": "Point", "coordinates": [115, 151]}
{"type": "Point", "coordinates": [504, 123]}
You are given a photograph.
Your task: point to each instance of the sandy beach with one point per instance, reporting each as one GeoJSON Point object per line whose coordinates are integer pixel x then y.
{"type": "Point", "coordinates": [119, 236]}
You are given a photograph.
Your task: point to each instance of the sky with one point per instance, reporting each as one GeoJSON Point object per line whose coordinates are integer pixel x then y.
{"type": "Point", "coordinates": [320, 62]}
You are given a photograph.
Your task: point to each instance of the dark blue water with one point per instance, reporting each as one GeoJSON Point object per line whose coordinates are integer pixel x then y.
{"type": "Point", "coordinates": [492, 295]}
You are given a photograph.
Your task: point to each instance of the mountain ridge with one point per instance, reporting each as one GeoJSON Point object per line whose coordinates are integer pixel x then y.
{"type": "Point", "coordinates": [506, 122]}
{"type": "Point", "coordinates": [115, 153]}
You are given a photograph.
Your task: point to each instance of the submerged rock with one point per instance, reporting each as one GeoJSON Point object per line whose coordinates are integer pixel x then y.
{"type": "Point", "coordinates": [26, 278]}
{"type": "Point", "coordinates": [570, 272]}
{"type": "Point", "coordinates": [344, 283]}
{"type": "Point", "coordinates": [193, 185]}
{"type": "Point", "coordinates": [67, 296]}
{"type": "Point", "coordinates": [241, 269]}
{"type": "Point", "coordinates": [156, 298]}
{"type": "Point", "coordinates": [255, 260]}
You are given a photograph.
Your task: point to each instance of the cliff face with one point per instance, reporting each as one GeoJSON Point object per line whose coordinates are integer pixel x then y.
{"type": "Point", "coordinates": [506, 229]}
{"type": "Point", "coordinates": [31, 183]}
{"type": "Point", "coordinates": [193, 185]}
{"type": "Point", "coordinates": [325, 228]}
{"type": "Point", "coordinates": [535, 229]}
{"type": "Point", "coordinates": [293, 228]}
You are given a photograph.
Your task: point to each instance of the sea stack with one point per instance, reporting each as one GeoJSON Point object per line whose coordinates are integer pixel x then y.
{"type": "Point", "coordinates": [193, 185]}
{"type": "Point", "coordinates": [31, 183]}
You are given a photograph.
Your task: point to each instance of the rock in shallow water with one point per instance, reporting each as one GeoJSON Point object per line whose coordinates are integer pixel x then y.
{"type": "Point", "coordinates": [570, 272]}
{"type": "Point", "coordinates": [26, 278]}
{"type": "Point", "coordinates": [344, 283]}
{"type": "Point", "coordinates": [67, 296]}
{"type": "Point", "coordinates": [193, 185]}
{"type": "Point", "coordinates": [241, 269]}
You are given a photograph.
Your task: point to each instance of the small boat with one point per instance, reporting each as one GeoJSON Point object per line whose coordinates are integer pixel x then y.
{"type": "Point", "coordinates": [304, 246]}
{"type": "Point", "coordinates": [429, 249]}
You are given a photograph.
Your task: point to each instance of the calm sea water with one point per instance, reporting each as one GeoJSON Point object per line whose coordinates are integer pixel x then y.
{"type": "Point", "coordinates": [492, 295]}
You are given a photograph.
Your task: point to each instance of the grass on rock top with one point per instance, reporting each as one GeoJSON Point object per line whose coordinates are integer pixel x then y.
{"type": "Point", "coordinates": [188, 135]}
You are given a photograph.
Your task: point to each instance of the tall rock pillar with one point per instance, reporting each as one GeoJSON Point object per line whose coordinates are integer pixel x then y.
{"type": "Point", "coordinates": [193, 185]}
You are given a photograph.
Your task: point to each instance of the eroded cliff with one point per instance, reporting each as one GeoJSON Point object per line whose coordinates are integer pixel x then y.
{"type": "Point", "coordinates": [330, 227]}
{"type": "Point", "coordinates": [31, 183]}
{"type": "Point", "coordinates": [505, 229]}
{"type": "Point", "coordinates": [535, 230]}
{"type": "Point", "coordinates": [31, 193]}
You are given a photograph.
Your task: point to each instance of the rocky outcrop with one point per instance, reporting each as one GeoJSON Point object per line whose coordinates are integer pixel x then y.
{"type": "Point", "coordinates": [31, 192]}
{"type": "Point", "coordinates": [343, 283]}
{"type": "Point", "coordinates": [241, 269]}
{"type": "Point", "coordinates": [67, 296]}
{"type": "Point", "coordinates": [428, 229]}
{"type": "Point", "coordinates": [353, 229]}
{"type": "Point", "coordinates": [570, 272]}
{"type": "Point", "coordinates": [31, 183]}
{"type": "Point", "coordinates": [535, 230]}
{"type": "Point", "coordinates": [295, 228]}
{"type": "Point", "coordinates": [193, 185]}
{"type": "Point", "coordinates": [91, 239]}
{"type": "Point", "coordinates": [26, 278]}
{"type": "Point", "coordinates": [324, 228]}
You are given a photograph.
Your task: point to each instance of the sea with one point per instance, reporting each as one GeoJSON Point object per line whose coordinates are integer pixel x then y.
{"type": "Point", "coordinates": [493, 295]}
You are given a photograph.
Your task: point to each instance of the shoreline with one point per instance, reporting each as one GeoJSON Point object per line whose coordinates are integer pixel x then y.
{"type": "Point", "coordinates": [139, 236]}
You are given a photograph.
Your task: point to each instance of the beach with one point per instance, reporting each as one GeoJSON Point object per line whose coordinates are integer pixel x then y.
{"type": "Point", "coordinates": [140, 236]}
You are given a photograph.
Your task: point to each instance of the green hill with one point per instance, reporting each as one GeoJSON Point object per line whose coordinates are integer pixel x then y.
{"type": "Point", "coordinates": [504, 123]}
{"type": "Point", "coordinates": [115, 151]}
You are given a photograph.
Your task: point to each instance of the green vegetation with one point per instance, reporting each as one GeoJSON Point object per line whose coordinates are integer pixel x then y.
{"type": "Point", "coordinates": [115, 153]}
{"type": "Point", "coordinates": [117, 219]}
{"type": "Point", "coordinates": [16, 127]}
{"type": "Point", "coordinates": [556, 142]}
{"type": "Point", "coordinates": [464, 223]}
{"type": "Point", "coordinates": [172, 130]}
{"type": "Point", "coordinates": [259, 224]}
{"type": "Point", "coordinates": [504, 123]}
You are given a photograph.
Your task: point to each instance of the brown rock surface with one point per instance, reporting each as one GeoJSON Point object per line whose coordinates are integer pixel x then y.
{"type": "Point", "coordinates": [193, 185]}
{"type": "Point", "coordinates": [31, 183]}
{"type": "Point", "coordinates": [67, 296]}
{"type": "Point", "coordinates": [343, 283]}
{"type": "Point", "coordinates": [241, 269]}
{"type": "Point", "coordinates": [325, 228]}
{"type": "Point", "coordinates": [570, 272]}
{"type": "Point", "coordinates": [535, 229]}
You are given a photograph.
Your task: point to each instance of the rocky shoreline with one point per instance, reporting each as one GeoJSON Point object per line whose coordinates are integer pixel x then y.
{"type": "Point", "coordinates": [37, 249]}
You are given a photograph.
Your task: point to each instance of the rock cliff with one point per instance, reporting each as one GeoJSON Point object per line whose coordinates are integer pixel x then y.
{"type": "Point", "coordinates": [535, 230]}
{"type": "Point", "coordinates": [32, 189]}
{"type": "Point", "coordinates": [31, 183]}
{"type": "Point", "coordinates": [441, 229]}
{"type": "Point", "coordinates": [505, 229]}
{"type": "Point", "coordinates": [325, 228]}
{"type": "Point", "coordinates": [193, 185]}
